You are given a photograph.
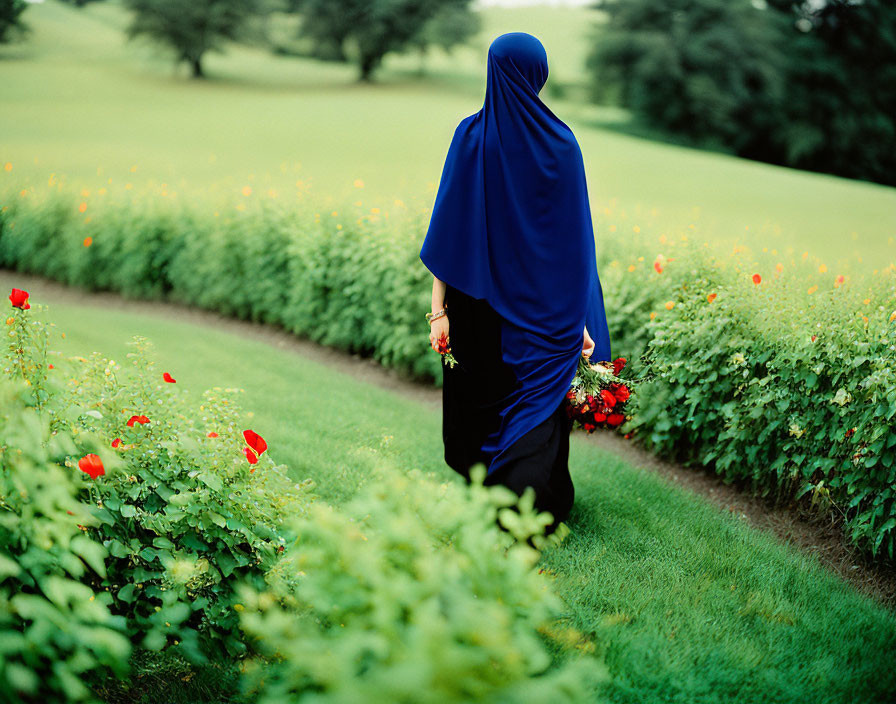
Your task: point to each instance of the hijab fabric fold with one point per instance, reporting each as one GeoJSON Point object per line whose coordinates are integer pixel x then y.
{"type": "Point", "coordinates": [511, 224]}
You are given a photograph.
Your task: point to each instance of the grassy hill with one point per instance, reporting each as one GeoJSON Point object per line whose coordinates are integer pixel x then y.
{"type": "Point", "coordinates": [82, 103]}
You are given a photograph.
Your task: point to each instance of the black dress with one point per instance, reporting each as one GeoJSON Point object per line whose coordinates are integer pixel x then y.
{"type": "Point", "coordinates": [473, 394]}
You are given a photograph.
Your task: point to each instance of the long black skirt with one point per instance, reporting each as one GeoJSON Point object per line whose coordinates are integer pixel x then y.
{"type": "Point", "coordinates": [474, 392]}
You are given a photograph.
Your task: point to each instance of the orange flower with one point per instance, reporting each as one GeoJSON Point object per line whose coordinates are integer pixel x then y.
{"type": "Point", "coordinates": [711, 297]}
{"type": "Point", "coordinates": [658, 267]}
{"type": "Point", "coordinates": [212, 434]}
{"type": "Point", "coordinates": [88, 241]}
{"type": "Point", "coordinates": [757, 278]}
{"type": "Point", "coordinates": [82, 207]}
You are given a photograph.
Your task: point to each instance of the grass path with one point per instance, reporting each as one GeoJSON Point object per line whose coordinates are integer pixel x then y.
{"type": "Point", "coordinates": [684, 601]}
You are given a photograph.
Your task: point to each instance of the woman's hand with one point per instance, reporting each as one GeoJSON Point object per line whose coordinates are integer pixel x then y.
{"type": "Point", "coordinates": [587, 345]}
{"type": "Point", "coordinates": [437, 329]}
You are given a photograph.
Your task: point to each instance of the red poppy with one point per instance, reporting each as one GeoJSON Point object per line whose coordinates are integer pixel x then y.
{"type": "Point", "coordinates": [255, 441]}
{"type": "Point", "coordinates": [658, 267]}
{"type": "Point", "coordinates": [170, 379]}
{"type": "Point", "coordinates": [608, 398]}
{"type": "Point", "coordinates": [618, 365]}
{"type": "Point", "coordinates": [813, 338]}
{"type": "Point", "coordinates": [250, 455]}
{"type": "Point", "coordinates": [756, 278]}
{"type": "Point", "coordinates": [137, 419]}
{"type": "Point", "coordinates": [116, 442]}
{"type": "Point", "coordinates": [212, 434]}
{"type": "Point", "coordinates": [49, 366]}
{"type": "Point", "coordinates": [19, 299]}
{"type": "Point", "coordinates": [615, 419]}
{"type": "Point", "coordinates": [600, 417]}
{"type": "Point", "coordinates": [589, 427]}
{"type": "Point", "coordinates": [91, 465]}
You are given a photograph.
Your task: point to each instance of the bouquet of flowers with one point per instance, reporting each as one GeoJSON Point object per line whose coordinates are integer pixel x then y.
{"type": "Point", "coordinates": [597, 396]}
{"type": "Point", "coordinates": [445, 351]}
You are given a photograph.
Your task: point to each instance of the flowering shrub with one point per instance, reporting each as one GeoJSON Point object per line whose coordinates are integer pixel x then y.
{"type": "Point", "coordinates": [410, 592]}
{"type": "Point", "coordinates": [186, 508]}
{"type": "Point", "coordinates": [56, 633]}
{"type": "Point", "coordinates": [817, 346]}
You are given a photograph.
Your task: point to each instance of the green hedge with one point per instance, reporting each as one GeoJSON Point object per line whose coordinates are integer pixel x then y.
{"type": "Point", "coordinates": [736, 383]}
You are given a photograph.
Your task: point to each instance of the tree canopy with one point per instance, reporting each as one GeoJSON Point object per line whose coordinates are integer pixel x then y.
{"type": "Point", "coordinates": [190, 28]}
{"type": "Point", "coordinates": [806, 84]}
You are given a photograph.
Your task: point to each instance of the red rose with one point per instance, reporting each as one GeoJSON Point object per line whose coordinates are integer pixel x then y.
{"type": "Point", "coordinates": [615, 419]}
{"type": "Point", "coordinates": [91, 465]}
{"type": "Point", "coordinates": [137, 419]}
{"type": "Point", "coordinates": [589, 427]}
{"type": "Point", "coordinates": [621, 392]}
{"type": "Point", "coordinates": [618, 365]}
{"type": "Point", "coordinates": [589, 398]}
{"type": "Point", "coordinates": [608, 398]}
{"type": "Point", "coordinates": [19, 299]}
{"type": "Point", "coordinates": [442, 344]}
{"type": "Point", "coordinates": [600, 417]}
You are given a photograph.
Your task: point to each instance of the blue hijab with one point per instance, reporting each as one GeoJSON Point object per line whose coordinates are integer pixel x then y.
{"type": "Point", "coordinates": [511, 224]}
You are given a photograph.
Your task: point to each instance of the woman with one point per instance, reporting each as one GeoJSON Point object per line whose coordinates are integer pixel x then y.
{"type": "Point", "coordinates": [511, 248]}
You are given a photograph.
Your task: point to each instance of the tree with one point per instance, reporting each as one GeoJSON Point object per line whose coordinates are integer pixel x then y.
{"type": "Point", "coordinates": [841, 87]}
{"type": "Point", "coordinates": [373, 27]}
{"type": "Point", "coordinates": [806, 83]}
{"type": "Point", "coordinates": [453, 24]}
{"type": "Point", "coordinates": [11, 19]}
{"type": "Point", "coordinates": [190, 28]}
{"type": "Point", "coordinates": [709, 70]}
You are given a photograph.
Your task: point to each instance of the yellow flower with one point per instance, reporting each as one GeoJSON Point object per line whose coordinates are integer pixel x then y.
{"type": "Point", "coordinates": [812, 289]}
{"type": "Point", "coordinates": [358, 183]}
{"type": "Point", "coordinates": [822, 268]}
{"type": "Point", "coordinates": [631, 267]}
{"type": "Point", "coordinates": [652, 315]}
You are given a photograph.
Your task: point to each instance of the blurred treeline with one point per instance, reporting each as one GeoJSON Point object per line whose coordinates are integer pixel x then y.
{"type": "Point", "coordinates": [808, 83]}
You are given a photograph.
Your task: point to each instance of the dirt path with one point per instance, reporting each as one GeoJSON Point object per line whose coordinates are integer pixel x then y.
{"type": "Point", "coordinates": [821, 538]}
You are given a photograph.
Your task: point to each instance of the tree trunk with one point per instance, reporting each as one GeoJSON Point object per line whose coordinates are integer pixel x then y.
{"type": "Point", "coordinates": [196, 65]}
{"type": "Point", "coordinates": [367, 65]}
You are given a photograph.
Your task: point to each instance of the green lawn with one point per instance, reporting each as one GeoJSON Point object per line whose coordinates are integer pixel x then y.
{"type": "Point", "coordinates": [81, 103]}
{"type": "Point", "coordinates": [685, 603]}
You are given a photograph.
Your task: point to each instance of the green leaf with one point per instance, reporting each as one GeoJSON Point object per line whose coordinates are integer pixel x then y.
{"type": "Point", "coordinates": [126, 593]}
